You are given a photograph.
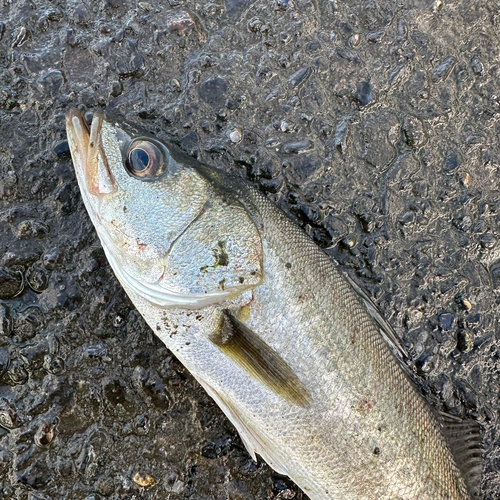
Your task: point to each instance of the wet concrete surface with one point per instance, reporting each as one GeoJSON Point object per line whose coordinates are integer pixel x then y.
{"type": "Point", "coordinates": [374, 124]}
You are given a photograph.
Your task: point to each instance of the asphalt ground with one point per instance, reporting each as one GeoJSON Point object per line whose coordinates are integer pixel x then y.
{"type": "Point", "coordinates": [373, 124]}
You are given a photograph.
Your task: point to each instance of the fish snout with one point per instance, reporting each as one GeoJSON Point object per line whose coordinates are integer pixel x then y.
{"type": "Point", "coordinates": [88, 154]}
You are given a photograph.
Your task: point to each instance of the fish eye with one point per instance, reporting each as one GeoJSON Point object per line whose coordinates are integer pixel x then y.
{"type": "Point", "coordinates": [146, 159]}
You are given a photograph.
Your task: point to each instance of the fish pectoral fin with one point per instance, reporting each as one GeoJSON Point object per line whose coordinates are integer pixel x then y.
{"type": "Point", "coordinates": [465, 438]}
{"type": "Point", "coordinates": [259, 360]}
{"type": "Point", "coordinates": [254, 442]}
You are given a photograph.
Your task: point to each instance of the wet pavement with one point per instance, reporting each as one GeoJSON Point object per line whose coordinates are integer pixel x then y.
{"type": "Point", "coordinates": [373, 124]}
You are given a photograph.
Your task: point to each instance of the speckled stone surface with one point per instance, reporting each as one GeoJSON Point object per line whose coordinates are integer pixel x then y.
{"type": "Point", "coordinates": [373, 124]}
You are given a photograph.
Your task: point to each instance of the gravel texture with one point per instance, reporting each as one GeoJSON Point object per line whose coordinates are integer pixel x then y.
{"type": "Point", "coordinates": [374, 124]}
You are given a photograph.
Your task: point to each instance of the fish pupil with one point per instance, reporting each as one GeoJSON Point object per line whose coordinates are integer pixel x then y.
{"type": "Point", "coordinates": [139, 160]}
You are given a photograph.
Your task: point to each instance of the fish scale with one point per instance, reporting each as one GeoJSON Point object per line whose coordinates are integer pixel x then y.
{"type": "Point", "coordinates": [267, 324]}
{"type": "Point", "coordinates": [333, 293]}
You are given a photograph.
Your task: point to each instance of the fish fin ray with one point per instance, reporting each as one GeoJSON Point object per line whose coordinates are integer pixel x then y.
{"type": "Point", "coordinates": [388, 334]}
{"type": "Point", "coordinates": [465, 439]}
{"type": "Point", "coordinates": [387, 331]}
{"type": "Point", "coordinates": [253, 441]}
{"type": "Point", "coordinates": [259, 360]}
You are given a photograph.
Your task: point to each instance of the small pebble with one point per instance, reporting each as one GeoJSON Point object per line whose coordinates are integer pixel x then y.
{"type": "Point", "coordinates": [44, 435]}
{"type": "Point", "coordinates": [80, 14]}
{"type": "Point", "coordinates": [365, 94]}
{"type": "Point", "coordinates": [52, 258]}
{"type": "Point", "coordinates": [286, 126]}
{"type": "Point", "coordinates": [213, 91]}
{"type": "Point", "coordinates": [50, 82]}
{"type": "Point", "coordinates": [406, 218]}
{"type": "Point", "coordinates": [477, 66]}
{"type": "Point", "coordinates": [348, 242]}
{"type": "Point", "coordinates": [257, 25]}
{"type": "Point", "coordinates": [451, 161]}
{"type": "Point", "coordinates": [446, 321]}
{"type": "Point", "coordinates": [116, 89]}
{"type": "Point", "coordinates": [61, 149]}
{"type": "Point", "coordinates": [465, 340]}
{"type": "Point", "coordinates": [8, 415]}
{"type": "Point", "coordinates": [374, 37]}
{"type": "Point", "coordinates": [176, 84]}
{"type": "Point", "coordinates": [487, 240]}
{"type": "Point", "coordinates": [467, 304]}
{"type": "Point", "coordinates": [443, 70]}
{"type": "Point", "coordinates": [466, 179]}
{"type": "Point", "coordinates": [340, 136]}
{"type": "Point", "coordinates": [178, 487]}
{"type": "Point", "coordinates": [355, 40]}
{"type": "Point", "coordinates": [425, 364]}
{"type": "Point", "coordinates": [236, 135]}
{"type": "Point", "coordinates": [300, 76]}
{"type": "Point", "coordinates": [296, 147]}
{"type": "Point", "coordinates": [272, 142]}
{"type": "Point", "coordinates": [143, 481]}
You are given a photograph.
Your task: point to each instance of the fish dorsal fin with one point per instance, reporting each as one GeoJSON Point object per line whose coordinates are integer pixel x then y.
{"type": "Point", "coordinates": [386, 329]}
{"type": "Point", "coordinates": [258, 359]}
{"type": "Point", "coordinates": [254, 442]}
{"type": "Point", "coordinates": [465, 439]}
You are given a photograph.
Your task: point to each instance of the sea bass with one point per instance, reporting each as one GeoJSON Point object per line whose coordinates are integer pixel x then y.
{"type": "Point", "coordinates": [299, 362]}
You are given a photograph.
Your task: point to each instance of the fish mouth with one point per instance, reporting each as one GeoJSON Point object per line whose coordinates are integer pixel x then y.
{"type": "Point", "coordinates": [88, 154]}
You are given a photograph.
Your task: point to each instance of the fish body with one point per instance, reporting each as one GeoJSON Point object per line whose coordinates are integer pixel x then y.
{"type": "Point", "coordinates": [264, 320]}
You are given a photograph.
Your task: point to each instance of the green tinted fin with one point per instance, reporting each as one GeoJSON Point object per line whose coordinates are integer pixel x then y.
{"type": "Point", "coordinates": [465, 440]}
{"type": "Point", "coordinates": [259, 360]}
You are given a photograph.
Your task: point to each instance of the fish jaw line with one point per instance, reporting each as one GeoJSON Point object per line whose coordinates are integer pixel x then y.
{"type": "Point", "coordinates": [151, 291]}
{"type": "Point", "coordinates": [88, 155]}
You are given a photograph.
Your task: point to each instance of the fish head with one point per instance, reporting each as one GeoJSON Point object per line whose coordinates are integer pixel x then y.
{"type": "Point", "coordinates": [163, 228]}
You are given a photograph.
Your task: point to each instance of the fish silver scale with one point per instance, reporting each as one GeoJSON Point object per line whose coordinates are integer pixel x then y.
{"type": "Point", "coordinates": [366, 433]}
{"type": "Point", "coordinates": [366, 370]}
{"type": "Point", "coordinates": [337, 351]}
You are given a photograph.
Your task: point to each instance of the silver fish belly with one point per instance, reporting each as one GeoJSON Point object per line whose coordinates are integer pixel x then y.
{"type": "Point", "coordinates": [267, 324]}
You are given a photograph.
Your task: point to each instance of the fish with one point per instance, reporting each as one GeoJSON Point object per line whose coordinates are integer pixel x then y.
{"type": "Point", "coordinates": [293, 352]}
